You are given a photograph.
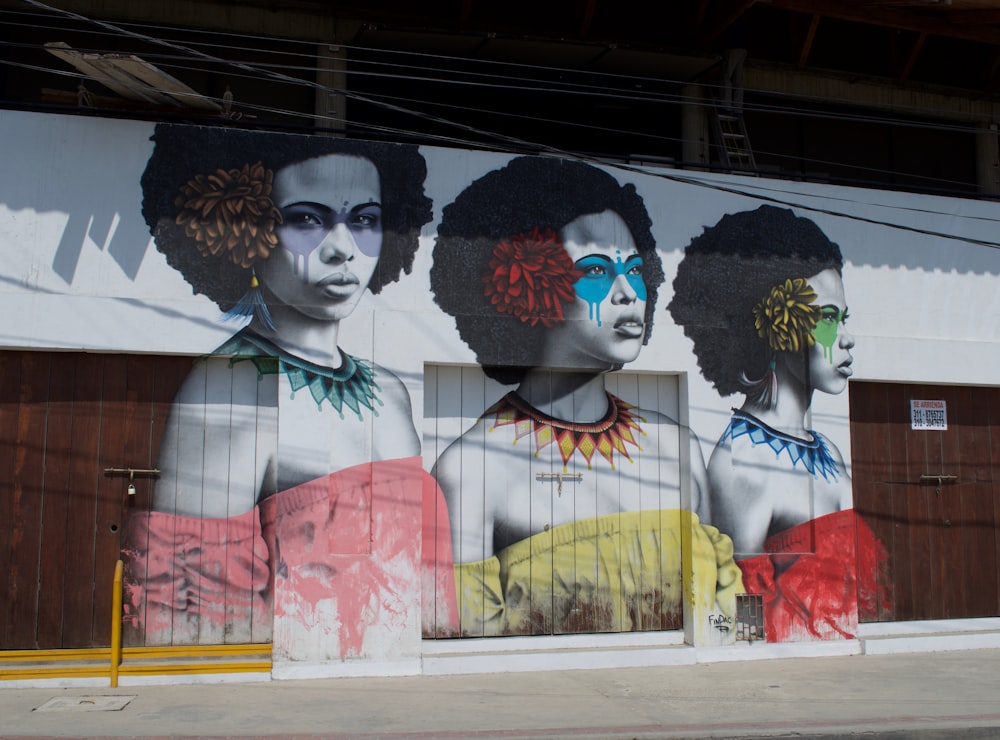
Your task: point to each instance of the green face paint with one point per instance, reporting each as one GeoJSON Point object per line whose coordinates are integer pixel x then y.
{"type": "Point", "coordinates": [826, 329]}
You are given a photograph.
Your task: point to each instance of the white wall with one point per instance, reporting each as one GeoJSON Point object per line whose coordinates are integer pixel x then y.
{"type": "Point", "coordinates": [78, 269]}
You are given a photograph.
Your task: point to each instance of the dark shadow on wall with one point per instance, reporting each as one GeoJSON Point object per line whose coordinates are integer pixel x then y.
{"type": "Point", "coordinates": [127, 241]}
{"type": "Point", "coordinates": [59, 164]}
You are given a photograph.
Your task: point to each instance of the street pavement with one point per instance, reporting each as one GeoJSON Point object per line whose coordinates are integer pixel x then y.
{"type": "Point", "coordinates": [953, 694]}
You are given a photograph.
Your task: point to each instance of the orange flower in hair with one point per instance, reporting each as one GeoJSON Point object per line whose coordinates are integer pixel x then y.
{"type": "Point", "coordinates": [231, 211]}
{"type": "Point", "coordinates": [531, 276]}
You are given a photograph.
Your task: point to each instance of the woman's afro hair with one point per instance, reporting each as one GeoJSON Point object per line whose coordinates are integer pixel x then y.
{"type": "Point", "coordinates": [726, 271]}
{"type": "Point", "coordinates": [528, 192]}
{"type": "Point", "coordinates": [182, 152]}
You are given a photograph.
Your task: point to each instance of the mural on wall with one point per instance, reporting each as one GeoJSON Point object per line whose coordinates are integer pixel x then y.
{"type": "Point", "coordinates": [560, 488]}
{"type": "Point", "coordinates": [761, 295]}
{"type": "Point", "coordinates": [292, 464]}
{"type": "Point", "coordinates": [565, 500]}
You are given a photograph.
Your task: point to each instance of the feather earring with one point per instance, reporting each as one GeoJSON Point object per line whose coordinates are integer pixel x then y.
{"type": "Point", "coordinates": [252, 304]}
{"type": "Point", "coordinates": [763, 392]}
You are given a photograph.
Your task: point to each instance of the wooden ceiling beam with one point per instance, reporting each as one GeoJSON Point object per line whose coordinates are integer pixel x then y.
{"type": "Point", "coordinates": [587, 17]}
{"type": "Point", "coordinates": [933, 19]}
{"type": "Point", "coordinates": [735, 11]}
{"type": "Point", "coordinates": [911, 58]}
{"type": "Point", "coordinates": [973, 17]}
{"type": "Point", "coordinates": [807, 42]}
{"type": "Point", "coordinates": [992, 70]}
{"type": "Point", "coordinates": [700, 14]}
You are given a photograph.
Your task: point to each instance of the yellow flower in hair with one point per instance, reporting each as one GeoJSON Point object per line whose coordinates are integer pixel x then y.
{"type": "Point", "coordinates": [231, 211]}
{"type": "Point", "coordinates": [786, 318]}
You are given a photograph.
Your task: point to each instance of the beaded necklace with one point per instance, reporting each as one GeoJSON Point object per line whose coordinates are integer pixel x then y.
{"type": "Point", "coordinates": [611, 433]}
{"type": "Point", "coordinates": [813, 454]}
{"type": "Point", "coordinates": [352, 384]}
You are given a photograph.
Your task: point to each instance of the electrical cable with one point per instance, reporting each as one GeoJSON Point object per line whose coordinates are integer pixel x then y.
{"type": "Point", "coordinates": [635, 134]}
{"type": "Point", "coordinates": [532, 69]}
{"type": "Point", "coordinates": [616, 94]}
{"type": "Point", "coordinates": [530, 146]}
{"type": "Point", "coordinates": [564, 123]}
{"type": "Point", "coordinates": [741, 191]}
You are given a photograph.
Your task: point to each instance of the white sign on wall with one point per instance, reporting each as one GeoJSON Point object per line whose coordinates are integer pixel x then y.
{"type": "Point", "coordinates": [929, 415]}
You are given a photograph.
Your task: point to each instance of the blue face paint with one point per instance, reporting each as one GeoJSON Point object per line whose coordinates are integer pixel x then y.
{"type": "Point", "coordinates": [304, 226]}
{"type": "Point", "coordinates": [599, 276]}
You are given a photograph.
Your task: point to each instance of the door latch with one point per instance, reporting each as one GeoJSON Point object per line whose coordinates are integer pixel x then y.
{"type": "Point", "coordinates": [131, 475]}
{"type": "Point", "coordinates": [560, 477]}
{"type": "Point", "coordinates": [938, 480]}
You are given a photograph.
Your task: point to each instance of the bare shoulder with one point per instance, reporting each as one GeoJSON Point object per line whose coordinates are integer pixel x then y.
{"type": "Point", "coordinates": [738, 500]}
{"type": "Point", "coordinates": [213, 432]}
{"type": "Point", "coordinates": [396, 435]}
{"type": "Point", "coordinates": [448, 468]}
{"type": "Point", "coordinates": [666, 428]}
{"type": "Point", "coordinates": [842, 490]}
{"type": "Point", "coordinates": [668, 436]}
{"type": "Point", "coordinates": [391, 388]}
{"type": "Point", "coordinates": [468, 447]}
{"type": "Point", "coordinates": [668, 433]}
{"type": "Point", "coordinates": [731, 473]}
{"type": "Point", "coordinates": [220, 398]}
{"type": "Point", "coordinates": [461, 474]}
{"type": "Point", "coordinates": [834, 451]}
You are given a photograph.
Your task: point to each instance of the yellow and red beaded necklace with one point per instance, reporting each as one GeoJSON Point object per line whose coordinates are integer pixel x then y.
{"type": "Point", "coordinates": [611, 433]}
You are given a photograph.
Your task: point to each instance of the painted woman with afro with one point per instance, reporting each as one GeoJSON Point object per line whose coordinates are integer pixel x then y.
{"type": "Point", "coordinates": [565, 500]}
{"type": "Point", "coordinates": [282, 449]}
{"type": "Point", "coordinates": [761, 295]}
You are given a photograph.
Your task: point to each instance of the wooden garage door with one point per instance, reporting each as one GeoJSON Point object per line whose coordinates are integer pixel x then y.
{"type": "Point", "coordinates": [455, 397]}
{"type": "Point", "coordinates": [64, 418]}
{"type": "Point", "coordinates": [931, 496]}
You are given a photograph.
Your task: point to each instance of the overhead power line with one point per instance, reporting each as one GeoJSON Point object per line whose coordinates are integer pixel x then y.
{"type": "Point", "coordinates": [505, 140]}
{"type": "Point", "coordinates": [459, 66]}
{"type": "Point", "coordinates": [170, 61]}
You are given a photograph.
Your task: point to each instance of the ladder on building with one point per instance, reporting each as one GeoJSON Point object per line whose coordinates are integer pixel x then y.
{"type": "Point", "coordinates": [733, 143]}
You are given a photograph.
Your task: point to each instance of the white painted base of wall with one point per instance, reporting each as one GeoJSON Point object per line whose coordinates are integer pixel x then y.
{"type": "Point", "coordinates": [885, 638]}
{"type": "Point", "coordinates": [514, 654]}
{"type": "Point", "coordinates": [57, 683]}
{"type": "Point", "coordinates": [184, 679]}
{"type": "Point", "coordinates": [555, 652]}
{"type": "Point", "coordinates": [571, 652]}
{"type": "Point", "coordinates": [192, 678]}
{"type": "Point", "coordinates": [873, 630]}
{"type": "Point", "coordinates": [469, 645]}
{"type": "Point", "coordinates": [344, 669]}
{"type": "Point", "coordinates": [774, 651]}
{"type": "Point", "coordinates": [582, 652]}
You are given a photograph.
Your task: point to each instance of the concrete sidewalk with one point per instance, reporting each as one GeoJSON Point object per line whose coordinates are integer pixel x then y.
{"type": "Point", "coordinates": [929, 695]}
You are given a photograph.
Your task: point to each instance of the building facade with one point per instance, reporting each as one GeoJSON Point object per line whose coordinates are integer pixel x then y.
{"type": "Point", "coordinates": [362, 400]}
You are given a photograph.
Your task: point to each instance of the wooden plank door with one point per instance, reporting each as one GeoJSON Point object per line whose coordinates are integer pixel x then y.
{"type": "Point", "coordinates": [931, 497]}
{"type": "Point", "coordinates": [64, 419]}
{"type": "Point", "coordinates": [454, 398]}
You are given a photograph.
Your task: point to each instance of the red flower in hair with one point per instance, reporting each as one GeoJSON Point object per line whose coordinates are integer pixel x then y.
{"type": "Point", "coordinates": [531, 276]}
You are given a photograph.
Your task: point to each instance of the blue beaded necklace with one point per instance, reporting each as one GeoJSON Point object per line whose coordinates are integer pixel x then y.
{"type": "Point", "coordinates": [813, 454]}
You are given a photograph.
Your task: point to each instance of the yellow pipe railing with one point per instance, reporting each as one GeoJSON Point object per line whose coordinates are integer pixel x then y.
{"type": "Point", "coordinates": [134, 661]}
{"type": "Point", "coordinates": [116, 623]}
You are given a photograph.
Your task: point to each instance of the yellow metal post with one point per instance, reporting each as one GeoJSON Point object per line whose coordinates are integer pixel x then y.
{"type": "Point", "coordinates": [116, 624]}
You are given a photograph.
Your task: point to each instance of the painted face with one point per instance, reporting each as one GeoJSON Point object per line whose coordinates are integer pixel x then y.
{"type": "Point", "coordinates": [605, 325]}
{"type": "Point", "coordinates": [330, 237]}
{"type": "Point", "coordinates": [830, 356]}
